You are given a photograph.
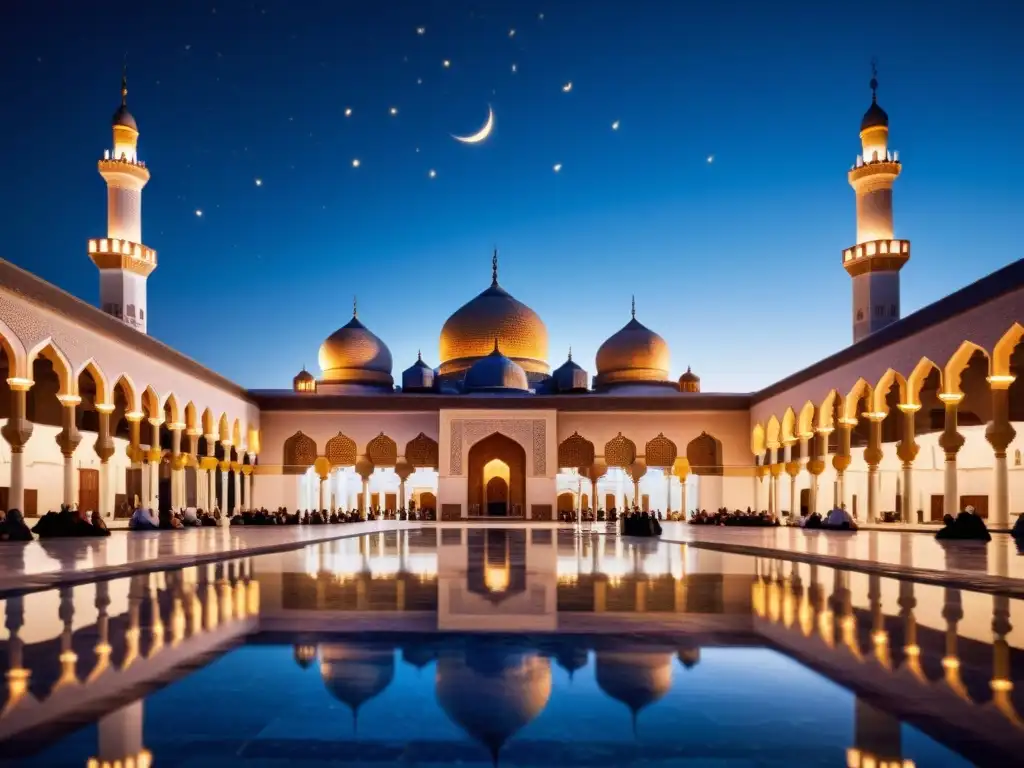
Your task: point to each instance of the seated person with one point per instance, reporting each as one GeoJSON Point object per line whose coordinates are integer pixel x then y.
{"type": "Point", "coordinates": [1018, 528]}
{"type": "Point", "coordinates": [142, 520]}
{"type": "Point", "coordinates": [967, 527]}
{"type": "Point", "coordinates": [67, 524]}
{"type": "Point", "coordinates": [190, 517]}
{"type": "Point", "coordinates": [97, 520]}
{"type": "Point", "coordinates": [14, 528]}
{"type": "Point", "coordinates": [839, 520]}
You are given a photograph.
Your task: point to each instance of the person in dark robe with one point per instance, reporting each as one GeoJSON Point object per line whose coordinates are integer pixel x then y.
{"type": "Point", "coordinates": [14, 528]}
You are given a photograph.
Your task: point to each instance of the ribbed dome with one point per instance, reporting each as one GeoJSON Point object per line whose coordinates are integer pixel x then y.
{"type": "Point", "coordinates": [355, 673]}
{"type": "Point", "coordinates": [633, 355]}
{"type": "Point", "coordinates": [418, 377]}
{"type": "Point", "coordinates": [495, 373]}
{"type": "Point", "coordinates": [570, 377]}
{"type": "Point", "coordinates": [689, 381]}
{"type": "Point", "coordinates": [469, 333]}
{"type": "Point", "coordinates": [354, 355]}
{"type": "Point", "coordinates": [304, 381]}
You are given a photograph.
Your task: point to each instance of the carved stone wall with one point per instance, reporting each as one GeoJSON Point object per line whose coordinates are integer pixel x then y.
{"type": "Point", "coordinates": [382, 451]}
{"type": "Point", "coordinates": [341, 451]}
{"type": "Point", "coordinates": [422, 451]}
{"type": "Point", "coordinates": [299, 453]}
{"type": "Point", "coordinates": [529, 433]}
{"type": "Point", "coordinates": [619, 452]}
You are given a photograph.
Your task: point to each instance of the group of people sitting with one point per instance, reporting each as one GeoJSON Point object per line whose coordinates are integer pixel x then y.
{"type": "Point", "coordinates": [637, 522]}
{"type": "Point", "coordinates": [748, 517]}
{"type": "Point", "coordinates": [143, 519]}
{"type": "Point", "coordinates": [282, 516]}
{"type": "Point", "coordinates": [68, 522]}
{"type": "Point", "coordinates": [966, 526]}
{"type": "Point", "coordinates": [589, 515]}
{"type": "Point", "coordinates": [836, 519]}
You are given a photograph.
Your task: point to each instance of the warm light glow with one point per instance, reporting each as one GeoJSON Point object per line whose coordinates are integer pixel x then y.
{"type": "Point", "coordinates": [567, 87]}
{"type": "Point", "coordinates": [497, 578]}
{"type": "Point", "coordinates": [355, 163]}
{"type": "Point", "coordinates": [951, 397]}
{"type": "Point", "coordinates": [19, 384]}
{"type": "Point", "coordinates": [909, 407]}
{"type": "Point", "coordinates": [1001, 685]}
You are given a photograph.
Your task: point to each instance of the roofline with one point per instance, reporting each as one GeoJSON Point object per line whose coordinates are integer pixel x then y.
{"type": "Point", "coordinates": [989, 288]}
{"type": "Point", "coordinates": [38, 291]}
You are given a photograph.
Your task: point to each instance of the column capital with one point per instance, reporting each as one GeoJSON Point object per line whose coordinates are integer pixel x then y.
{"type": "Point", "coordinates": [950, 440]}
{"type": "Point", "coordinates": [155, 421]}
{"type": "Point", "coordinates": [69, 401]}
{"type": "Point", "coordinates": [194, 432]}
{"type": "Point", "coordinates": [1000, 431]}
{"type": "Point", "coordinates": [136, 416]}
{"type": "Point", "coordinates": [107, 408]}
{"type": "Point", "coordinates": [909, 407]}
{"type": "Point", "coordinates": [18, 429]}
{"type": "Point", "coordinates": [1001, 381]}
{"type": "Point", "coordinates": [176, 426]}
{"type": "Point", "coordinates": [18, 384]}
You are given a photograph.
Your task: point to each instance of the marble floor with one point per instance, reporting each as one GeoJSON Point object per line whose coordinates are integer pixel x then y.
{"type": "Point", "coordinates": [40, 565]}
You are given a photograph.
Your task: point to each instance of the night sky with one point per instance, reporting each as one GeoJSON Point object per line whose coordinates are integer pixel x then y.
{"type": "Point", "coordinates": [736, 262]}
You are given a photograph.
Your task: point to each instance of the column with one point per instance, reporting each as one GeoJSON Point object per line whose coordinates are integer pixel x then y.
{"type": "Point", "coordinates": [134, 451]}
{"type": "Point", "coordinates": [236, 468]}
{"type": "Point", "coordinates": [907, 451]}
{"type": "Point", "coordinates": [816, 466]}
{"type": "Point", "coordinates": [757, 482]}
{"type": "Point", "coordinates": [787, 457]}
{"type": "Point", "coordinates": [247, 479]}
{"type": "Point", "coordinates": [668, 492]}
{"type": "Point", "coordinates": [104, 448]}
{"type": "Point", "coordinates": [1000, 434]}
{"type": "Point", "coordinates": [322, 490]}
{"type": "Point", "coordinates": [682, 486]}
{"type": "Point", "coordinates": [951, 442]}
{"type": "Point", "coordinates": [225, 467]}
{"type": "Point", "coordinates": [805, 460]}
{"type": "Point", "coordinates": [210, 474]}
{"type": "Point", "coordinates": [793, 470]}
{"type": "Point", "coordinates": [154, 456]}
{"type": "Point", "coordinates": [841, 461]}
{"type": "Point", "coordinates": [366, 497]}
{"type": "Point", "coordinates": [177, 497]}
{"type": "Point", "coordinates": [193, 451]}
{"type": "Point", "coordinates": [873, 456]}
{"type": "Point", "coordinates": [68, 439]}
{"type": "Point", "coordinates": [16, 432]}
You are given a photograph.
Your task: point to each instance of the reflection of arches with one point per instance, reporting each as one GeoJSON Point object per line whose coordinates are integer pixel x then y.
{"type": "Point", "coordinates": [619, 452]}
{"type": "Point", "coordinates": [704, 453]}
{"type": "Point", "coordinates": [566, 502]}
{"type": "Point", "coordinates": [341, 451]}
{"type": "Point", "coordinates": [660, 452]}
{"type": "Point", "coordinates": [299, 454]}
{"type": "Point", "coordinates": [507, 452]}
{"type": "Point", "coordinates": [575, 452]}
{"type": "Point", "coordinates": [382, 451]}
{"type": "Point", "coordinates": [421, 451]}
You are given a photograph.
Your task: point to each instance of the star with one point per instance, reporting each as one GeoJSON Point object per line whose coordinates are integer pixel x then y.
{"type": "Point", "coordinates": [393, 111]}
{"type": "Point", "coordinates": [188, 46]}
{"type": "Point", "coordinates": [355, 163]}
{"type": "Point", "coordinates": [199, 213]}
{"type": "Point", "coordinates": [446, 63]}
{"type": "Point", "coordinates": [348, 111]}
{"type": "Point", "coordinates": [432, 174]}
{"type": "Point", "coordinates": [515, 69]}
{"type": "Point", "coordinates": [417, 149]}
{"type": "Point", "coordinates": [421, 30]}
{"type": "Point", "coordinates": [711, 159]}
{"type": "Point", "coordinates": [557, 167]}
{"type": "Point", "coordinates": [512, 33]}
{"type": "Point", "coordinates": [259, 182]}
{"type": "Point", "coordinates": [615, 125]}
{"type": "Point", "coordinates": [567, 87]}
{"type": "Point", "coordinates": [540, 16]}
{"type": "Point", "coordinates": [419, 81]}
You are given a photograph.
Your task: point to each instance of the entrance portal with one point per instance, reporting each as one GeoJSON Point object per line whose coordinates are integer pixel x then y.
{"type": "Point", "coordinates": [497, 477]}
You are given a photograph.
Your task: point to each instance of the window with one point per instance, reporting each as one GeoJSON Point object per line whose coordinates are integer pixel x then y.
{"type": "Point", "coordinates": [860, 315]}
{"type": "Point", "coordinates": [892, 311]}
{"type": "Point", "coordinates": [130, 311]}
{"type": "Point", "coordinates": [142, 313]}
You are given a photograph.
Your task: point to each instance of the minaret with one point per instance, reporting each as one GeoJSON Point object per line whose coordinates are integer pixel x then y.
{"type": "Point", "coordinates": [124, 262]}
{"type": "Point", "coordinates": [875, 261]}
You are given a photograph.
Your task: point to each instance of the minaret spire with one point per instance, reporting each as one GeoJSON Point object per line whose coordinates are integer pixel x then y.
{"type": "Point", "coordinates": [874, 80]}
{"type": "Point", "coordinates": [355, 308]}
{"type": "Point", "coordinates": [124, 82]}
{"type": "Point", "coordinates": [494, 267]}
{"type": "Point", "coordinates": [570, 354]}
{"type": "Point", "coordinates": [632, 309]}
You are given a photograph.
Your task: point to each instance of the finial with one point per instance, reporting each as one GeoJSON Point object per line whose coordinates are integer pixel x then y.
{"type": "Point", "coordinates": [419, 355]}
{"type": "Point", "coordinates": [874, 80]}
{"type": "Point", "coordinates": [570, 354]}
{"type": "Point", "coordinates": [494, 267]}
{"type": "Point", "coordinates": [496, 350]}
{"type": "Point", "coordinates": [124, 81]}
{"type": "Point", "coordinates": [632, 309]}
{"type": "Point", "coordinates": [355, 307]}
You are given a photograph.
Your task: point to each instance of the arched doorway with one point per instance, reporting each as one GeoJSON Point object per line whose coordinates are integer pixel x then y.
{"type": "Point", "coordinates": [497, 477]}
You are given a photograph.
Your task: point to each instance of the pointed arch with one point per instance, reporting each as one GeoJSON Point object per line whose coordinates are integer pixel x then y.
{"type": "Point", "coordinates": [660, 452]}
{"type": "Point", "coordinates": [881, 392]}
{"type": "Point", "coordinates": [860, 389]}
{"type": "Point", "coordinates": [704, 454]}
{"type": "Point", "coordinates": [757, 440]}
{"type": "Point", "coordinates": [341, 451]}
{"type": "Point", "coordinates": [575, 452]}
{"type": "Point", "coordinates": [208, 423]}
{"type": "Point", "coordinates": [103, 394]}
{"type": "Point", "coordinates": [422, 451]}
{"type": "Point", "coordinates": [918, 377]}
{"type": "Point", "coordinates": [224, 429]}
{"type": "Point", "coordinates": [382, 451]}
{"type": "Point", "coordinates": [825, 412]}
{"type": "Point", "coordinates": [771, 432]}
{"type": "Point", "coordinates": [254, 441]}
{"type": "Point", "coordinates": [299, 453]}
{"type": "Point", "coordinates": [48, 349]}
{"type": "Point", "coordinates": [957, 363]}
{"type": "Point", "coordinates": [128, 391]}
{"type": "Point", "coordinates": [619, 452]}
{"type": "Point", "coordinates": [788, 426]}
{"type": "Point", "coordinates": [190, 417]}
{"type": "Point", "coordinates": [17, 357]}
{"type": "Point", "coordinates": [170, 410]}
{"type": "Point", "coordinates": [805, 423]}
{"type": "Point", "coordinates": [1003, 350]}
{"type": "Point", "coordinates": [236, 434]}
{"type": "Point", "coordinates": [151, 404]}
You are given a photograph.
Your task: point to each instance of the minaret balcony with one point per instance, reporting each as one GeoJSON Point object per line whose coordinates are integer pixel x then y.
{"type": "Point", "coordinates": [886, 167]}
{"type": "Point", "coordinates": [876, 256]}
{"type": "Point", "coordinates": [123, 165]}
{"type": "Point", "coordinates": [114, 253]}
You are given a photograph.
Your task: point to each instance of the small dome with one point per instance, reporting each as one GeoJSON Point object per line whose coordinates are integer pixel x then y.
{"type": "Point", "coordinates": [419, 377]}
{"type": "Point", "coordinates": [875, 117]}
{"type": "Point", "coordinates": [570, 377]}
{"type": "Point", "coordinates": [354, 355]}
{"type": "Point", "coordinates": [124, 119]}
{"type": "Point", "coordinates": [304, 381]}
{"type": "Point", "coordinates": [636, 678]}
{"type": "Point", "coordinates": [467, 334]}
{"type": "Point", "coordinates": [304, 654]}
{"type": "Point", "coordinates": [633, 355]}
{"type": "Point", "coordinates": [689, 381]}
{"type": "Point", "coordinates": [355, 673]}
{"type": "Point", "coordinates": [495, 373]}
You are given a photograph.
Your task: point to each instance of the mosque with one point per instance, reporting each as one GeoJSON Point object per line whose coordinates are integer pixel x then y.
{"type": "Point", "coordinates": [920, 415]}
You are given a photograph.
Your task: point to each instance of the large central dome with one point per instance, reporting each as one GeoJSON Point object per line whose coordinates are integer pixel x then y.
{"type": "Point", "coordinates": [469, 334]}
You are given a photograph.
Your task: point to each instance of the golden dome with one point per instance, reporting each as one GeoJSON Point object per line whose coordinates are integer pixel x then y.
{"type": "Point", "coordinates": [689, 381]}
{"type": "Point", "coordinates": [633, 355]}
{"type": "Point", "coordinates": [469, 333]}
{"type": "Point", "coordinates": [354, 355]}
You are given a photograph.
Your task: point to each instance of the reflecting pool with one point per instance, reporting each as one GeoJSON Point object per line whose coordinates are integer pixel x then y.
{"type": "Point", "coordinates": [481, 646]}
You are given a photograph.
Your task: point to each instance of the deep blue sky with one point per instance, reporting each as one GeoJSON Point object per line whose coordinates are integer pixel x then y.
{"type": "Point", "coordinates": [736, 263]}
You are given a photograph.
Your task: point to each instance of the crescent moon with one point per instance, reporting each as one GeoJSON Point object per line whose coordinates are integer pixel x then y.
{"type": "Point", "coordinates": [480, 135]}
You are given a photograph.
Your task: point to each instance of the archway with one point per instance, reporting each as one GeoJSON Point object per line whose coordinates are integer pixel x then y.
{"type": "Point", "coordinates": [497, 457]}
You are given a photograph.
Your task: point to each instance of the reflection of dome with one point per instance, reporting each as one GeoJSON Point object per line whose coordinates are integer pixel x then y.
{"type": "Point", "coordinates": [689, 381]}
{"type": "Point", "coordinates": [492, 694]}
{"type": "Point", "coordinates": [495, 373]}
{"type": "Point", "coordinates": [690, 657]}
{"type": "Point", "coordinates": [418, 655]}
{"type": "Point", "coordinates": [636, 678]}
{"type": "Point", "coordinates": [633, 355]}
{"type": "Point", "coordinates": [571, 657]}
{"type": "Point", "coordinates": [570, 377]}
{"type": "Point", "coordinates": [469, 333]}
{"type": "Point", "coordinates": [354, 673]}
{"type": "Point", "coordinates": [304, 655]}
{"type": "Point", "coordinates": [419, 377]}
{"type": "Point", "coordinates": [354, 355]}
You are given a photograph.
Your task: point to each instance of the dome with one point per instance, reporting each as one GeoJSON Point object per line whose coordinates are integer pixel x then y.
{"type": "Point", "coordinates": [635, 354]}
{"type": "Point", "coordinates": [419, 377]}
{"type": "Point", "coordinates": [304, 381]}
{"type": "Point", "coordinates": [123, 118]}
{"type": "Point", "coordinates": [355, 673]}
{"type": "Point", "coordinates": [636, 678]}
{"type": "Point", "coordinates": [689, 381]}
{"type": "Point", "coordinates": [495, 373]}
{"type": "Point", "coordinates": [492, 693]}
{"type": "Point", "coordinates": [469, 333]}
{"type": "Point", "coordinates": [304, 654]}
{"type": "Point", "coordinates": [354, 355]}
{"type": "Point", "coordinates": [570, 377]}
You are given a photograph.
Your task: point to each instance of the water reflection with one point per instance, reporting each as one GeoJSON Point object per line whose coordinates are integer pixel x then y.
{"type": "Point", "coordinates": [495, 630]}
